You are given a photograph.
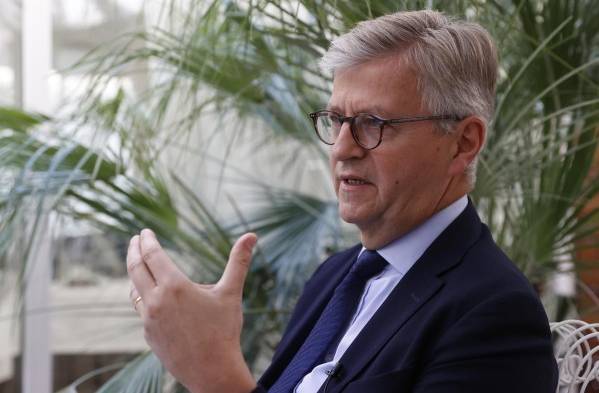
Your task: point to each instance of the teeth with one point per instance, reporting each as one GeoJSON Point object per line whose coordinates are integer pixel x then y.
{"type": "Point", "coordinates": [355, 182]}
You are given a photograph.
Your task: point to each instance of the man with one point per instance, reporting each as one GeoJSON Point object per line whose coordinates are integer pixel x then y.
{"type": "Point", "coordinates": [427, 302]}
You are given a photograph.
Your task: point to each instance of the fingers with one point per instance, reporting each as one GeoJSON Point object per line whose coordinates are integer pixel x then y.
{"type": "Point", "coordinates": [238, 265]}
{"type": "Point", "coordinates": [158, 262]}
{"type": "Point", "coordinates": [149, 265]}
{"type": "Point", "coordinates": [137, 269]}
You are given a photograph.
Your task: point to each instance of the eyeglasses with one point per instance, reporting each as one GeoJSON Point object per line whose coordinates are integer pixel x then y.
{"type": "Point", "coordinates": [366, 129]}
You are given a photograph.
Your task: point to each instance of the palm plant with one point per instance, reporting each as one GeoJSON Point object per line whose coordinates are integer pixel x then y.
{"type": "Point", "coordinates": [536, 168]}
{"type": "Point", "coordinates": [255, 65]}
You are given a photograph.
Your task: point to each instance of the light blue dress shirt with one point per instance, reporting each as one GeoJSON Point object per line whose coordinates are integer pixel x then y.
{"type": "Point", "coordinates": [401, 254]}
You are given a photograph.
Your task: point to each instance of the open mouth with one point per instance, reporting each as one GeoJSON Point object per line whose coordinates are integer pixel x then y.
{"type": "Point", "coordinates": [354, 182]}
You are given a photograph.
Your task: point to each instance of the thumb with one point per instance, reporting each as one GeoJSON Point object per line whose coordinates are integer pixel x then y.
{"type": "Point", "coordinates": [237, 267]}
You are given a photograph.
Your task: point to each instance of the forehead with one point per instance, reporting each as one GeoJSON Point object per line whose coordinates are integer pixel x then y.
{"type": "Point", "coordinates": [385, 86]}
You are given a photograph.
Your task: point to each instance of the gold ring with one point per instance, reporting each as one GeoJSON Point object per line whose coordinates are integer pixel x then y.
{"type": "Point", "coordinates": [137, 300]}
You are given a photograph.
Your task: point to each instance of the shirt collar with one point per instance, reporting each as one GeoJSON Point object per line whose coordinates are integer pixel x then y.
{"type": "Point", "coordinates": [402, 253]}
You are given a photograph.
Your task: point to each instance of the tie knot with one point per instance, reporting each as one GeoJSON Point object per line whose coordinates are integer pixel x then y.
{"type": "Point", "coordinates": [369, 264]}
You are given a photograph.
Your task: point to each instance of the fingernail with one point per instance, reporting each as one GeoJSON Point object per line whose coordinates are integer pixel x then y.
{"type": "Point", "coordinates": [253, 241]}
{"type": "Point", "coordinates": [147, 232]}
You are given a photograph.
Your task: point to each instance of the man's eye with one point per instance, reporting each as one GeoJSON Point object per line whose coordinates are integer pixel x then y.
{"type": "Point", "coordinates": [369, 122]}
{"type": "Point", "coordinates": [334, 120]}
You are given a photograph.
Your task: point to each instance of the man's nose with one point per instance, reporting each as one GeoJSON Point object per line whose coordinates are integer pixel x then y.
{"type": "Point", "coordinates": [345, 146]}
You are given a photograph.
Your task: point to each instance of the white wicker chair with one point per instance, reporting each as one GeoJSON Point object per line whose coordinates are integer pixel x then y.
{"type": "Point", "coordinates": [576, 348]}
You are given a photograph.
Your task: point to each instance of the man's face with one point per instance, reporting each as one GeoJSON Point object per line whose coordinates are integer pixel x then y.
{"type": "Point", "coordinates": [389, 190]}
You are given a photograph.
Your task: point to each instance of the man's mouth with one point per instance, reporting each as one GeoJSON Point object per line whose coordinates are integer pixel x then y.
{"type": "Point", "coordinates": [355, 182]}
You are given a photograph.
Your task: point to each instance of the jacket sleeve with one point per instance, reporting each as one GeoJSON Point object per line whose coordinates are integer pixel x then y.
{"type": "Point", "coordinates": [501, 345]}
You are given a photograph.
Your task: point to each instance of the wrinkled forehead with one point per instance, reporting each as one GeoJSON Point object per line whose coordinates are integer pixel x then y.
{"type": "Point", "coordinates": [384, 86]}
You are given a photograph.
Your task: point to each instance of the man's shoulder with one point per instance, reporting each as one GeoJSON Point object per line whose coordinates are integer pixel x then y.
{"type": "Point", "coordinates": [485, 271]}
{"type": "Point", "coordinates": [491, 262]}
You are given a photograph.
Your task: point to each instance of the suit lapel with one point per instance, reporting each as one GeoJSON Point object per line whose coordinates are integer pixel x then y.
{"type": "Point", "coordinates": [414, 290]}
{"type": "Point", "coordinates": [418, 286]}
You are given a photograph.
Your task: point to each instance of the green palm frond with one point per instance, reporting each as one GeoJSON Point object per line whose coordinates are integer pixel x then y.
{"type": "Point", "coordinates": [15, 119]}
{"type": "Point", "coordinates": [145, 374]}
{"type": "Point", "coordinates": [534, 175]}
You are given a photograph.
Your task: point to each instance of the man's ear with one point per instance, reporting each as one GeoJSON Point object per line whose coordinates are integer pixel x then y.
{"type": "Point", "coordinates": [470, 135]}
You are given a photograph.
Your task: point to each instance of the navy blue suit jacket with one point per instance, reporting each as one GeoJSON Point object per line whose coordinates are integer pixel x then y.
{"type": "Point", "coordinates": [462, 320]}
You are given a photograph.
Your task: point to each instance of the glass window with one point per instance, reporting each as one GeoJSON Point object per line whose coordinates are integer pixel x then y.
{"type": "Point", "coordinates": [10, 30]}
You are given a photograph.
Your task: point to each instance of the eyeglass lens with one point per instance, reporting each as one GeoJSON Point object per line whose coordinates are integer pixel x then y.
{"type": "Point", "coordinates": [366, 129]}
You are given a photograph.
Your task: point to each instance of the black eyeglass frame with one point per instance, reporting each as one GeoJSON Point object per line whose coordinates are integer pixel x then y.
{"type": "Point", "coordinates": [382, 123]}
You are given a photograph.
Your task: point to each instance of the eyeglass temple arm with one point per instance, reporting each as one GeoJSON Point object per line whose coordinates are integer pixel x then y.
{"type": "Point", "coordinates": [422, 118]}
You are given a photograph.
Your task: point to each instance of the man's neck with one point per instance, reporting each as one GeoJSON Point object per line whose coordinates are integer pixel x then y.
{"type": "Point", "coordinates": [377, 237]}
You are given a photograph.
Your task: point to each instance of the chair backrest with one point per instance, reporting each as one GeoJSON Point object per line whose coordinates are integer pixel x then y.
{"type": "Point", "coordinates": [576, 348]}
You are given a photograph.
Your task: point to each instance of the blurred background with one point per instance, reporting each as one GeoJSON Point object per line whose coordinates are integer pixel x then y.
{"type": "Point", "coordinates": [189, 117]}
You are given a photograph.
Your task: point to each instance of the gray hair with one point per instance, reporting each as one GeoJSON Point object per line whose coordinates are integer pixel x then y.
{"type": "Point", "coordinates": [455, 61]}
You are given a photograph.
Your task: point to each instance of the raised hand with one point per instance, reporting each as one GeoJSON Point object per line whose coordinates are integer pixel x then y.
{"type": "Point", "coordinates": [194, 329]}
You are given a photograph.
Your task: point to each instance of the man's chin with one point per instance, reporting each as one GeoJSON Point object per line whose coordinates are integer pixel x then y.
{"type": "Point", "coordinates": [351, 217]}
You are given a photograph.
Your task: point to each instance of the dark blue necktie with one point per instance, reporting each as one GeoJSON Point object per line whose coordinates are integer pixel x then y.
{"type": "Point", "coordinates": [333, 319]}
